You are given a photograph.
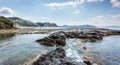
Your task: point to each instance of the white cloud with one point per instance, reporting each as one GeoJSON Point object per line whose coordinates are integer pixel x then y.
{"type": "Point", "coordinates": [59, 5]}
{"type": "Point", "coordinates": [73, 3]}
{"type": "Point", "coordinates": [106, 20]}
{"type": "Point", "coordinates": [100, 17]}
{"type": "Point", "coordinates": [95, 0]}
{"type": "Point", "coordinates": [5, 11]}
{"type": "Point", "coordinates": [46, 19]}
{"type": "Point", "coordinates": [77, 12]}
{"type": "Point", "coordinates": [117, 16]}
{"type": "Point", "coordinates": [115, 3]}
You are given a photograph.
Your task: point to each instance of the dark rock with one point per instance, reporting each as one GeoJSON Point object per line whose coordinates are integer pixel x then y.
{"type": "Point", "coordinates": [89, 35]}
{"type": "Point", "coordinates": [56, 57]}
{"type": "Point", "coordinates": [84, 48]}
{"type": "Point", "coordinates": [88, 62]}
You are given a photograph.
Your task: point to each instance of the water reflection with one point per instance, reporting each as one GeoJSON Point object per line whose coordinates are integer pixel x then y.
{"type": "Point", "coordinates": [109, 47]}
{"type": "Point", "coordinates": [6, 35]}
{"type": "Point", "coordinates": [21, 48]}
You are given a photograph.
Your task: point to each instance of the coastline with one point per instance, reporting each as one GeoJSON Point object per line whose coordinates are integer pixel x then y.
{"type": "Point", "coordinates": [27, 31]}
{"type": "Point", "coordinates": [87, 54]}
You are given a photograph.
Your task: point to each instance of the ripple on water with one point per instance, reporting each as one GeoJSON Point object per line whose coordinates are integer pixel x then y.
{"type": "Point", "coordinates": [20, 48]}
{"type": "Point", "coordinates": [109, 47]}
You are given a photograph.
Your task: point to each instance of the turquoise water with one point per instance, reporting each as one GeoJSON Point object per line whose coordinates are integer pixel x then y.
{"type": "Point", "coordinates": [20, 48]}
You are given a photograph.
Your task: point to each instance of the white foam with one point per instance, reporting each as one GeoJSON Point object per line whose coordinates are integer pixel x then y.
{"type": "Point", "coordinates": [72, 51]}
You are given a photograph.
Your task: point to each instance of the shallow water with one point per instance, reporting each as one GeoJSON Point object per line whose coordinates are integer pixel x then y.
{"type": "Point", "coordinates": [109, 48]}
{"type": "Point", "coordinates": [20, 48]}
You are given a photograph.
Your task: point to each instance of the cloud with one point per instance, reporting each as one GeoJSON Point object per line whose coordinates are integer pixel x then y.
{"type": "Point", "coordinates": [117, 16]}
{"type": "Point", "coordinates": [73, 3]}
{"type": "Point", "coordinates": [106, 20]}
{"type": "Point", "coordinates": [46, 19]}
{"type": "Point", "coordinates": [115, 3]}
{"type": "Point", "coordinates": [59, 5]}
{"type": "Point", "coordinates": [77, 12]}
{"type": "Point", "coordinates": [95, 0]}
{"type": "Point", "coordinates": [5, 11]}
{"type": "Point", "coordinates": [100, 17]}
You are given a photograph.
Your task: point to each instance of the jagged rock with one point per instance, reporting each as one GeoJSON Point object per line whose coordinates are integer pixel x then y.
{"type": "Point", "coordinates": [88, 35]}
{"type": "Point", "coordinates": [56, 57]}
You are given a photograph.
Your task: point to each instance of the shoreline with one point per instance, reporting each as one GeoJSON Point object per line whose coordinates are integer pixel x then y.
{"type": "Point", "coordinates": [81, 47]}
{"type": "Point", "coordinates": [88, 55]}
{"type": "Point", "coordinates": [27, 31]}
{"type": "Point", "coordinates": [43, 30]}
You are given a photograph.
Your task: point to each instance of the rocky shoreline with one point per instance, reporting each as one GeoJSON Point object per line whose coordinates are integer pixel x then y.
{"type": "Point", "coordinates": [56, 57]}
{"type": "Point", "coordinates": [88, 35]}
{"type": "Point", "coordinates": [59, 57]}
{"type": "Point", "coordinates": [76, 53]}
{"type": "Point", "coordinates": [27, 31]}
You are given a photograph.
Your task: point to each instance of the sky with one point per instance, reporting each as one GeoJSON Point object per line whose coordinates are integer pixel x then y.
{"type": "Point", "coordinates": [64, 12]}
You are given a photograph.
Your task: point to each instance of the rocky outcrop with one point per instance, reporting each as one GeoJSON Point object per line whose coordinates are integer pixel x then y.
{"type": "Point", "coordinates": [56, 57]}
{"type": "Point", "coordinates": [88, 35]}
{"type": "Point", "coordinates": [59, 57]}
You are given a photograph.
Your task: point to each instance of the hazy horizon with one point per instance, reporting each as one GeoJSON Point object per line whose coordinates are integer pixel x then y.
{"type": "Point", "coordinates": [64, 12]}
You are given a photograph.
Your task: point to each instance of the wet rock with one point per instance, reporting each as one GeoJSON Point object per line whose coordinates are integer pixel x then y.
{"type": "Point", "coordinates": [88, 62]}
{"type": "Point", "coordinates": [88, 35]}
{"type": "Point", "coordinates": [56, 57]}
{"type": "Point", "coordinates": [84, 48]}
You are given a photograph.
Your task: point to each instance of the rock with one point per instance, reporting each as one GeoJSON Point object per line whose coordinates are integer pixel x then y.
{"type": "Point", "coordinates": [88, 62]}
{"type": "Point", "coordinates": [88, 35]}
{"type": "Point", "coordinates": [87, 58]}
{"type": "Point", "coordinates": [56, 57]}
{"type": "Point", "coordinates": [84, 48]}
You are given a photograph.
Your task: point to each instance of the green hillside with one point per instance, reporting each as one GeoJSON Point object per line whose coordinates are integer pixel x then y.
{"type": "Point", "coordinates": [22, 22]}
{"type": "Point", "coordinates": [5, 23]}
{"type": "Point", "coordinates": [47, 24]}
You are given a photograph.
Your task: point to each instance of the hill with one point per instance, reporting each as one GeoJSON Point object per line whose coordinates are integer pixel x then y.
{"type": "Point", "coordinates": [79, 26]}
{"type": "Point", "coordinates": [87, 26]}
{"type": "Point", "coordinates": [47, 24]}
{"type": "Point", "coordinates": [21, 22]}
{"type": "Point", "coordinates": [5, 23]}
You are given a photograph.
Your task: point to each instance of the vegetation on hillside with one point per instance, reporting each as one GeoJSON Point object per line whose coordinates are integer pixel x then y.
{"type": "Point", "coordinates": [47, 24]}
{"type": "Point", "coordinates": [21, 22]}
{"type": "Point", "coordinates": [5, 23]}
